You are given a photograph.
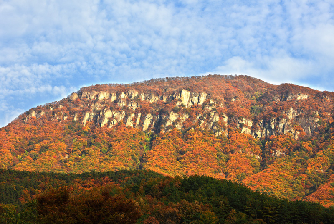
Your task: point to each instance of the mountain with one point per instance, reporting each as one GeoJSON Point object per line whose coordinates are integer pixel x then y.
{"type": "Point", "coordinates": [276, 139]}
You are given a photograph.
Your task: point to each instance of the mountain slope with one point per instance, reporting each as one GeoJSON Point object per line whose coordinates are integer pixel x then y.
{"type": "Point", "coordinates": [274, 138]}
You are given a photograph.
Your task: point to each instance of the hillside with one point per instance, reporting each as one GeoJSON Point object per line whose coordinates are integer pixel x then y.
{"type": "Point", "coordinates": [276, 139]}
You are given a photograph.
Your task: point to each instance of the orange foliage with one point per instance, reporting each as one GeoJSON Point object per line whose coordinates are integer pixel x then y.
{"type": "Point", "coordinates": [324, 194]}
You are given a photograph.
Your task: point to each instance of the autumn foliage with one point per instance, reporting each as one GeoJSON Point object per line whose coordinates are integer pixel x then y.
{"type": "Point", "coordinates": [276, 139]}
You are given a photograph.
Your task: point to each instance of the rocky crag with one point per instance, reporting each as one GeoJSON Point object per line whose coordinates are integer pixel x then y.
{"type": "Point", "coordinates": [160, 105]}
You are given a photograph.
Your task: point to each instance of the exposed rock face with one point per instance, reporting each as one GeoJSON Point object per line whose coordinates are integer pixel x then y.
{"type": "Point", "coordinates": [172, 117]}
{"type": "Point", "coordinates": [159, 112]}
{"type": "Point", "coordinates": [103, 95]}
{"type": "Point", "coordinates": [302, 96]}
{"type": "Point", "coordinates": [189, 99]}
{"type": "Point", "coordinates": [113, 97]}
{"type": "Point", "coordinates": [245, 125]}
{"type": "Point", "coordinates": [118, 116]}
{"type": "Point", "coordinates": [74, 96]}
{"type": "Point", "coordinates": [147, 121]}
{"type": "Point", "coordinates": [129, 121]}
{"type": "Point", "coordinates": [202, 98]}
{"type": "Point", "coordinates": [106, 115]}
{"type": "Point", "coordinates": [299, 96]}
{"type": "Point", "coordinates": [183, 118]}
{"type": "Point", "coordinates": [88, 117]}
{"type": "Point", "coordinates": [185, 95]}
{"type": "Point", "coordinates": [138, 119]}
{"type": "Point", "coordinates": [132, 94]}
{"type": "Point", "coordinates": [89, 95]}
{"type": "Point", "coordinates": [30, 115]}
{"type": "Point", "coordinates": [131, 100]}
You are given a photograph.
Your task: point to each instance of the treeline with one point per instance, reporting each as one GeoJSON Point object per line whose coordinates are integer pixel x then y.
{"type": "Point", "coordinates": [143, 197]}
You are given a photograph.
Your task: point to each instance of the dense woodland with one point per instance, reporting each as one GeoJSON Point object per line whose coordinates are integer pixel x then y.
{"type": "Point", "coordinates": [287, 152]}
{"type": "Point", "coordinates": [143, 197]}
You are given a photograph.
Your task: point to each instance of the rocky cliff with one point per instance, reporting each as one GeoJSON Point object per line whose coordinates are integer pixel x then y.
{"type": "Point", "coordinates": [159, 105]}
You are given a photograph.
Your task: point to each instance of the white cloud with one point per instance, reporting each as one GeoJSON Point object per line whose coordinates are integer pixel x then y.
{"type": "Point", "coordinates": [276, 70]}
{"type": "Point", "coordinates": [10, 116]}
{"type": "Point", "coordinates": [317, 41]}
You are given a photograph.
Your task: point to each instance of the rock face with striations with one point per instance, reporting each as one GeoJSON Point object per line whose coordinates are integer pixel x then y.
{"type": "Point", "coordinates": [160, 105]}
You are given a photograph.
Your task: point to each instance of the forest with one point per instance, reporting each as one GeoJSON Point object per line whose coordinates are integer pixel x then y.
{"type": "Point", "coordinates": [140, 196]}
{"type": "Point", "coordinates": [303, 172]}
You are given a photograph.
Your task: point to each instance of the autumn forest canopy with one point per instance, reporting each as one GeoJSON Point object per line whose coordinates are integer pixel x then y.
{"type": "Point", "coordinates": [273, 143]}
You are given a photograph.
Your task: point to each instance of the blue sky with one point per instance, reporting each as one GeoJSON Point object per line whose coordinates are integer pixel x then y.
{"type": "Point", "coordinates": [49, 49]}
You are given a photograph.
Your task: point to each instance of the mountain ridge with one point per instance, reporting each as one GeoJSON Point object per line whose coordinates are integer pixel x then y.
{"type": "Point", "coordinates": [148, 106]}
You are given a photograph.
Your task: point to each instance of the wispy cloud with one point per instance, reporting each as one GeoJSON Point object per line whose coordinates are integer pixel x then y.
{"type": "Point", "coordinates": [272, 69]}
{"type": "Point", "coordinates": [50, 48]}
